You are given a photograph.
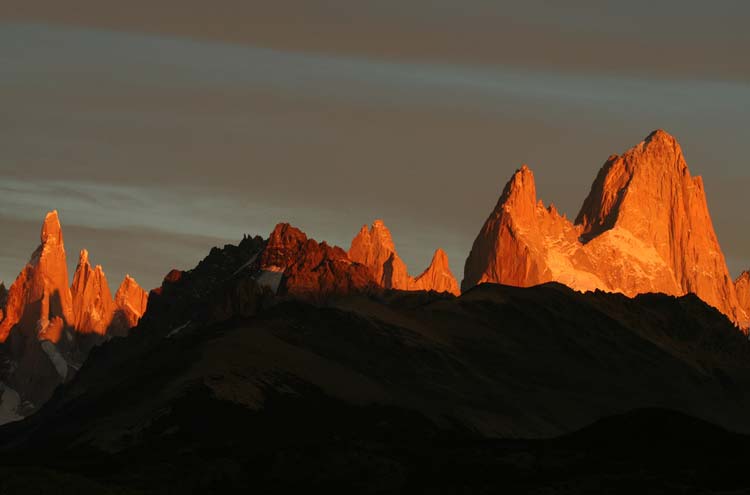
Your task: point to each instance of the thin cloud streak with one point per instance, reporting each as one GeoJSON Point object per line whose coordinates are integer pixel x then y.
{"type": "Point", "coordinates": [180, 136]}
{"type": "Point", "coordinates": [137, 216]}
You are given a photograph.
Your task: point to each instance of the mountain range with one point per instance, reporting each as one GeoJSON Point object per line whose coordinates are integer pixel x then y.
{"type": "Point", "coordinates": [291, 364]}
{"type": "Point", "coordinates": [226, 383]}
{"type": "Point", "coordinates": [48, 326]}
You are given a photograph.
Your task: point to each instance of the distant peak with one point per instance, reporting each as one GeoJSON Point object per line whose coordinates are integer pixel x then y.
{"type": "Point", "coordinates": [51, 230]}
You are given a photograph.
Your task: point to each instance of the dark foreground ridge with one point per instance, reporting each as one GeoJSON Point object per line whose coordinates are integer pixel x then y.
{"type": "Point", "coordinates": [224, 387]}
{"type": "Point", "coordinates": [203, 445]}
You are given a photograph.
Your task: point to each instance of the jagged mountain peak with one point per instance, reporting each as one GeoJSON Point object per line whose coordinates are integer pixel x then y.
{"type": "Point", "coordinates": [41, 291]}
{"type": "Point", "coordinates": [438, 276]}
{"type": "Point", "coordinates": [310, 268]}
{"type": "Point", "coordinates": [42, 306]}
{"type": "Point", "coordinates": [130, 301]}
{"type": "Point", "coordinates": [644, 227]}
{"type": "Point", "coordinates": [375, 238]}
{"type": "Point", "coordinates": [93, 306]}
{"type": "Point", "coordinates": [652, 175]}
{"type": "Point", "coordinates": [520, 191]}
{"type": "Point", "coordinates": [374, 248]}
{"type": "Point", "coordinates": [51, 229]}
{"type": "Point", "coordinates": [128, 282]}
{"type": "Point", "coordinates": [660, 136]}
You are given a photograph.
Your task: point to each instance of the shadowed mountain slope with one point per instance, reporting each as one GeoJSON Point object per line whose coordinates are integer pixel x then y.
{"type": "Point", "coordinates": [224, 384]}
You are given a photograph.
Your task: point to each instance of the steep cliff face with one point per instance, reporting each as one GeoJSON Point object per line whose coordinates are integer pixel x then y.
{"type": "Point", "coordinates": [93, 307]}
{"type": "Point", "coordinates": [41, 292]}
{"type": "Point", "coordinates": [310, 268]}
{"type": "Point", "coordinates": [374, 248]}
{"type": "Point", "coordinates": [644, 227]}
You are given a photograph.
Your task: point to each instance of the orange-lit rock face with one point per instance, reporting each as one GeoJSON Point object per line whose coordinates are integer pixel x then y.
{"type": "Point", "coordinates": [41, 292]}
{"type": "Point", "coordinates": [3, 299]}
{"type": "Point", "coordinates": [52, 331]}
{"type": "Point", "coordinates": [310, 268]}
{"type": "Point", "coordinates": [173, 276]}
{"type": "Point", "coordinates": [742, 287]}
{"type": "Point", "coordinates": [93, 307]}
{"type": "Point", "coordinates": [41, 302]}
{"type": "Point", "coordinates": [644, 227]}
{"type": "Point", "coordinates": [437, 277]}
{"type": "Point", "coordinates": [374, 248]}
{"type": "Point", "coordinates": [131, 301]}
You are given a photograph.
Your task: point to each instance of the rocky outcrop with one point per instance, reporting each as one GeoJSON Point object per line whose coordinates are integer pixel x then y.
{"type": "Point", "coordinates": [311, 269]}
{"type": "Point", "coordinates": [93, 307]}
{"type": "Point", "coordinates": [374, 248]}
{"type": "Point", "coordinates": [644, 227]}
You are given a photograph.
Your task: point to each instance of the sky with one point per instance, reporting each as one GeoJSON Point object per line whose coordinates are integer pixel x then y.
{"type": "Point", "coordinates": [161, 129]}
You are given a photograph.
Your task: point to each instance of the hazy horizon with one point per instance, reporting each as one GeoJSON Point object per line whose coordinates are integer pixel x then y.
{"type": "Point", "coordinates": [159, 136]}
